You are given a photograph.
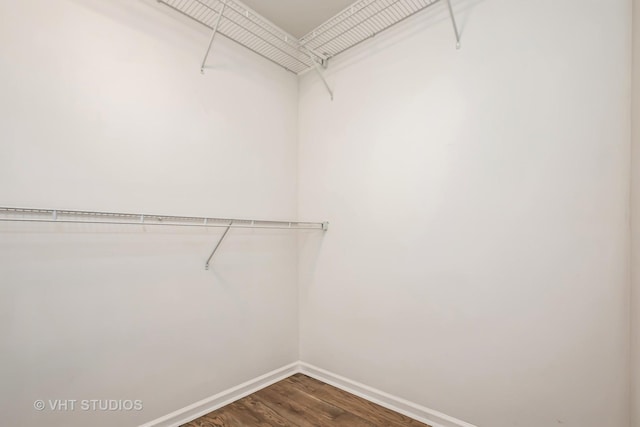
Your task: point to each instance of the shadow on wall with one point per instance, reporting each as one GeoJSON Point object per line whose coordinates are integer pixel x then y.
{"type": "Point", "coordinates": [309, 248]}
{"type": "Point", "coordinates": [132, 14]}
{"type": "Point", "coordinates": [177, 31]}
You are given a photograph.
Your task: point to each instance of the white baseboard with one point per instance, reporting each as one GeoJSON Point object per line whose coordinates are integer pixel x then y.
{"type": "Point", "coordinates": [210, 404]}
{"type": "Point", "coordinates": [410, 409]}
{"type": "Point", "coordinates": [217, 401]}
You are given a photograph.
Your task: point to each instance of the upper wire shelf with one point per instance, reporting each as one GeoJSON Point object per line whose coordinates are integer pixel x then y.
{"type": "Point", "coordinates": [359, 22]}
{"type": "Point", "coordinates": [355, 24]}
{"type": "Point", "coordinates": [246, 27]}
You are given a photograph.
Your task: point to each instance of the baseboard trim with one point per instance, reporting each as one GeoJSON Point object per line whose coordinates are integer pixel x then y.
{"type": "Point", "coordinates": [410, 409]}
{"type": "Point", "coordinates": [217, 401]}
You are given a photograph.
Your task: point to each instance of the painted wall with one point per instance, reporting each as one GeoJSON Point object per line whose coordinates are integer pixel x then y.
{"type": "Point", "coordinates": [477, 260]}
{"type": "Point", "coordinates": [103, 107]}
{"type": "Point", "coordinates": [635, 223]}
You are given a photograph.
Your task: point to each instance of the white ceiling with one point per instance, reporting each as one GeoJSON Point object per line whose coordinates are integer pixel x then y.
{"type": "Point", "coordinates": [298, 17]}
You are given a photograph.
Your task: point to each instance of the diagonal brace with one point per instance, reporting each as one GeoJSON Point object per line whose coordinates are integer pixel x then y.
{"type": "Point", "coordinates": [213, 35]}
{"type": "Point", "coordinates": [206, 266]}
{"type": "Point", "coordinates": [318, 70]}
{"type": "Point", "coordinates": [455, 25]}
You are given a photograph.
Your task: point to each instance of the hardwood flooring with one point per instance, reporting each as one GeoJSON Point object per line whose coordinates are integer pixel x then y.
{"type": "Point", "coordinates": [303, 401]}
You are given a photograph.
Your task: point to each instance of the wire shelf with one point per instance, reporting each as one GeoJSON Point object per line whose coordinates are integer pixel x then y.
{"type": "Point", "coordinates": [8, 214]}
{"type": "Point", "coordinates": [90, 217]}
{"type": "Point", "coordinates": [360, 21]}
{"type": "Point", "coordinates": [246, 27]}
{"type": "Point", "coordinates": [355, 24]}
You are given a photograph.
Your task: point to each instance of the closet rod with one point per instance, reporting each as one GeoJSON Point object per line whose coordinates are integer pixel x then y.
{"type": "Point", "coordinates": [9, 214]}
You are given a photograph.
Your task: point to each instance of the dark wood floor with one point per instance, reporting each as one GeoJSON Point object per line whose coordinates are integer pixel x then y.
{"type": "Point", "coordinates": [303, 401]}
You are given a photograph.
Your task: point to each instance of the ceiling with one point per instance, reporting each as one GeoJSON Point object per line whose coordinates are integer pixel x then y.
{"type": "Point", "coordinates": [298, 17]}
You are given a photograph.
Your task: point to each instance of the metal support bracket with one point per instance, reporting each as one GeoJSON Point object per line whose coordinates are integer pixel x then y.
{"type": "Point", "coordinates": [317, 66]}
{"type": "Point", "coordinates": [206, 266]}
{"type": "Point", "coordinates": [213, 35]}
{"type": "Point", "coordinates": [455, 25]}
{"type": "Point", "coordinates": [323, 60]}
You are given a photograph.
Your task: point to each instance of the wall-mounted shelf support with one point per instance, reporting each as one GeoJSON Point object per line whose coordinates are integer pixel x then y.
{"type": "Point", "coordinates": [323, 60]}
{"type": "Point", "coordinates": [317, 66]}
{"type": "Point", "coordinates": [455, 25]}
{"type": "Point", "coordinates": [206, 266]}
{"type": "Point", "coordinates": [213, 35]}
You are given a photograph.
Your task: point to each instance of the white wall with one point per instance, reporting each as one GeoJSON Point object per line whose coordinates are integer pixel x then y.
{"type": "Point", "coordinates": [635, 223]}
{"type": "Point", "coordinates": [477, 261]}
{"type": "Point", "coordinates": [102, 107]}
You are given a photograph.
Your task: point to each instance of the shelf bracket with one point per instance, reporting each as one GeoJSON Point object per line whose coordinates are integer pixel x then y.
{"type": "Point", "coordinates": [317, 66]}
{"type": "Point", "coordinates": [206, 266]}
{"type": "Point", "coordinates": [455, 25]}
{"type": "Point", "coordinates": [213, 35]}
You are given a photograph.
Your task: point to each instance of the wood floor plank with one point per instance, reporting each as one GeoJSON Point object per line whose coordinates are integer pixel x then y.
{"type": "Point", "coordinates": [306, 411]}
{"type": "Point", "coordinates": [336, 415]}
{"type": "Point", "coordinates": [265, 413]}
{"type": "Point", "coordinates": [380, 415]}
{"type": "Point", "coordinates": [247, 416]}
{"type": "Point", "coordinates": [297, 407]}
{"type": "Point", "coordinates": [301, 401]}
{"type": "Point", "coordinates": [225, 417]}
{"type": "Point", "coordinates": [200, 422]}
{"type": "Point", "coordinates": [308, 384]}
